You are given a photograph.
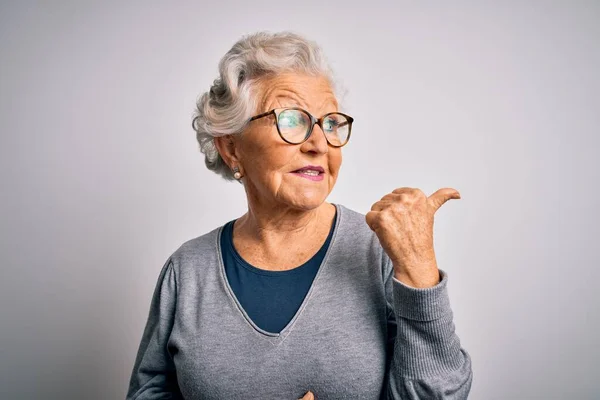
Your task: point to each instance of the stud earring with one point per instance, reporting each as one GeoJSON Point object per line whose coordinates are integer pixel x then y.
{"type": "Point", "coordinates": [236, 173]}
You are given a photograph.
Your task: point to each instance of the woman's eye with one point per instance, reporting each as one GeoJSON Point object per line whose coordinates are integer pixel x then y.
{"type": "Point", "coordinates": [330, 124]}
{"type": "Point", "coordinates": [291, 120]}
{"type": "Point", "coordinates": [288, 121]}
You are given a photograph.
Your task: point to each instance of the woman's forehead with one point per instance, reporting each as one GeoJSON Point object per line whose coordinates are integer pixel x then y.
{"type": "Point", "coordinates": [295, 90]}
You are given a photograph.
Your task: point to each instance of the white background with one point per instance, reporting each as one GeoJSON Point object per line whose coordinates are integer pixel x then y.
{"type": "Point", "coordinates": [102, 178]}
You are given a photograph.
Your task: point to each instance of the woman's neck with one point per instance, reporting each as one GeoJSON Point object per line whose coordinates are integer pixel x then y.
{"type": "Point", "coordinates": [282, 235]}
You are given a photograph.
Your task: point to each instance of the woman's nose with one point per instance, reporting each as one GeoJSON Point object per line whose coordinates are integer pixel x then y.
{"type": "Point", "coordinates": [317, 141]}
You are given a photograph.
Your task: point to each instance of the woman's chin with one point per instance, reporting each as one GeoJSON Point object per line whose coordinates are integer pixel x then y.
{"type": "Point", "coordinates": [308, 201]}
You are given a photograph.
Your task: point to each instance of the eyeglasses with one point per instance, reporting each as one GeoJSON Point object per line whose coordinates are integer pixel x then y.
{"type": "Point", "coordinates": [295, 125]}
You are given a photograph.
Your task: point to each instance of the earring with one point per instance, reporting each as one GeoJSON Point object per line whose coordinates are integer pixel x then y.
{"type": "Point", "coordinates": [236, 173]}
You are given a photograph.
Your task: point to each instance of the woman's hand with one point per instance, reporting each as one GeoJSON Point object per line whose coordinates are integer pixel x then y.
{"type": "Point", "coordinates": [403, 222]}
{"type": "Point", "coordinates": [308, 396]}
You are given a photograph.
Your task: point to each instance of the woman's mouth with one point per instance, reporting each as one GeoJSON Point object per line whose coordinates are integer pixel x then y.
{"type": "Point", "coordinates": [311, 173]}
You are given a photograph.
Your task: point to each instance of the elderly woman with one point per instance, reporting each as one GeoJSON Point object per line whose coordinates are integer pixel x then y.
{"type": "Point", "coordinates": [298, 297]}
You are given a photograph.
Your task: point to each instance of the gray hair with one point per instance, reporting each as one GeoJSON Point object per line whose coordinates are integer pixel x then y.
{"type": "Point", "coordinates": [231, 100]}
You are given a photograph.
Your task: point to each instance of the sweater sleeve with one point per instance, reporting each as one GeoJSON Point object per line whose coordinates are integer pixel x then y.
{"type": "Point", "coordinates": [427, 360]}
{"type": "Point", "coordinates": [153, 375]}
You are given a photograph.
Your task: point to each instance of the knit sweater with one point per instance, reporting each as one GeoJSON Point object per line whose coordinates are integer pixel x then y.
{"type": "Point", "coordinates": [359, 333]}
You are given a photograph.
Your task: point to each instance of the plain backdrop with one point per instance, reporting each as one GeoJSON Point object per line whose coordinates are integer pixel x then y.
{"type": "Point", "coordinates": [102, 178]}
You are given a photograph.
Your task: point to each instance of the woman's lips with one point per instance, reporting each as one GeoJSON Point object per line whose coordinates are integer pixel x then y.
{"type": "Point", "coordinates": [314, 168]}
{"type": "Point", "coordinates": [317, 178]}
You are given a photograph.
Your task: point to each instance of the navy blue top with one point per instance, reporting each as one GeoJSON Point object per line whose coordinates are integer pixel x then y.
{"type": "Point", "coordinates": [270, 298]}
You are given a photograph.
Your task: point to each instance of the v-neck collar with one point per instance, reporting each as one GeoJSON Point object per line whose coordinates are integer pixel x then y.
{"type": "Point", "coordinates": [276, 338]}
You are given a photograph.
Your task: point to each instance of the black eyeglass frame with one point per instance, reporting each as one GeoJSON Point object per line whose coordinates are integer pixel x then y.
{"type": "Point", "coordinates": [314, 121]}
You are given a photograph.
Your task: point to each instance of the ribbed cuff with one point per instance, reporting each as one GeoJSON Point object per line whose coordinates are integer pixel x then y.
{"type": "Point", "coordinates": [422, 304]}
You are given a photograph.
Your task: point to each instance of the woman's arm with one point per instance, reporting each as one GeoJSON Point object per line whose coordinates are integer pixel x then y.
{"type": "Point", "coordinates": [153, 375]}
{"type": "Point", "coordinates": [427, 361]}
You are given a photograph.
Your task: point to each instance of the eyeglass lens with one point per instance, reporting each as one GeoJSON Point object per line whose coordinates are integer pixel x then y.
{"type": "Point", "coordinates": [295, 124]}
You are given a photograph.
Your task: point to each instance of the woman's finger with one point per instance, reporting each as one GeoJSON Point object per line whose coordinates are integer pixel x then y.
{"type": "Point", "coordinates": [308, 396]}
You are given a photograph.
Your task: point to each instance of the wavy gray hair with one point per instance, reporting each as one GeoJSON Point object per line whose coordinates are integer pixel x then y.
{"type": "Point", "coordinates": [231, 100]}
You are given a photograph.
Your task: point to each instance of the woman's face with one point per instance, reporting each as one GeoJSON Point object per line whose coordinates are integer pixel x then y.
{"type": "Point", "coordinates": [268, 163]}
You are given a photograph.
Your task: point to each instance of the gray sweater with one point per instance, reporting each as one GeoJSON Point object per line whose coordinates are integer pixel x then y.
{"type": "Point", "coordinates": [359, 333]}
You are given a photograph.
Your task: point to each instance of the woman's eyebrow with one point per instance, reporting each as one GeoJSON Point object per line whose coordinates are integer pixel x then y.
{"type": "Point", "coordinates": [282, 101]}
{"type": "Point", "coordinates": [296, 101]}
{"type": "Point", "coordinates": [333, 102]}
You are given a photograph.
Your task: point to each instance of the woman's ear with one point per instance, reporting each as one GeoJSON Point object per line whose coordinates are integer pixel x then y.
{"type": "Point", "coordinates": [226, 147]}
